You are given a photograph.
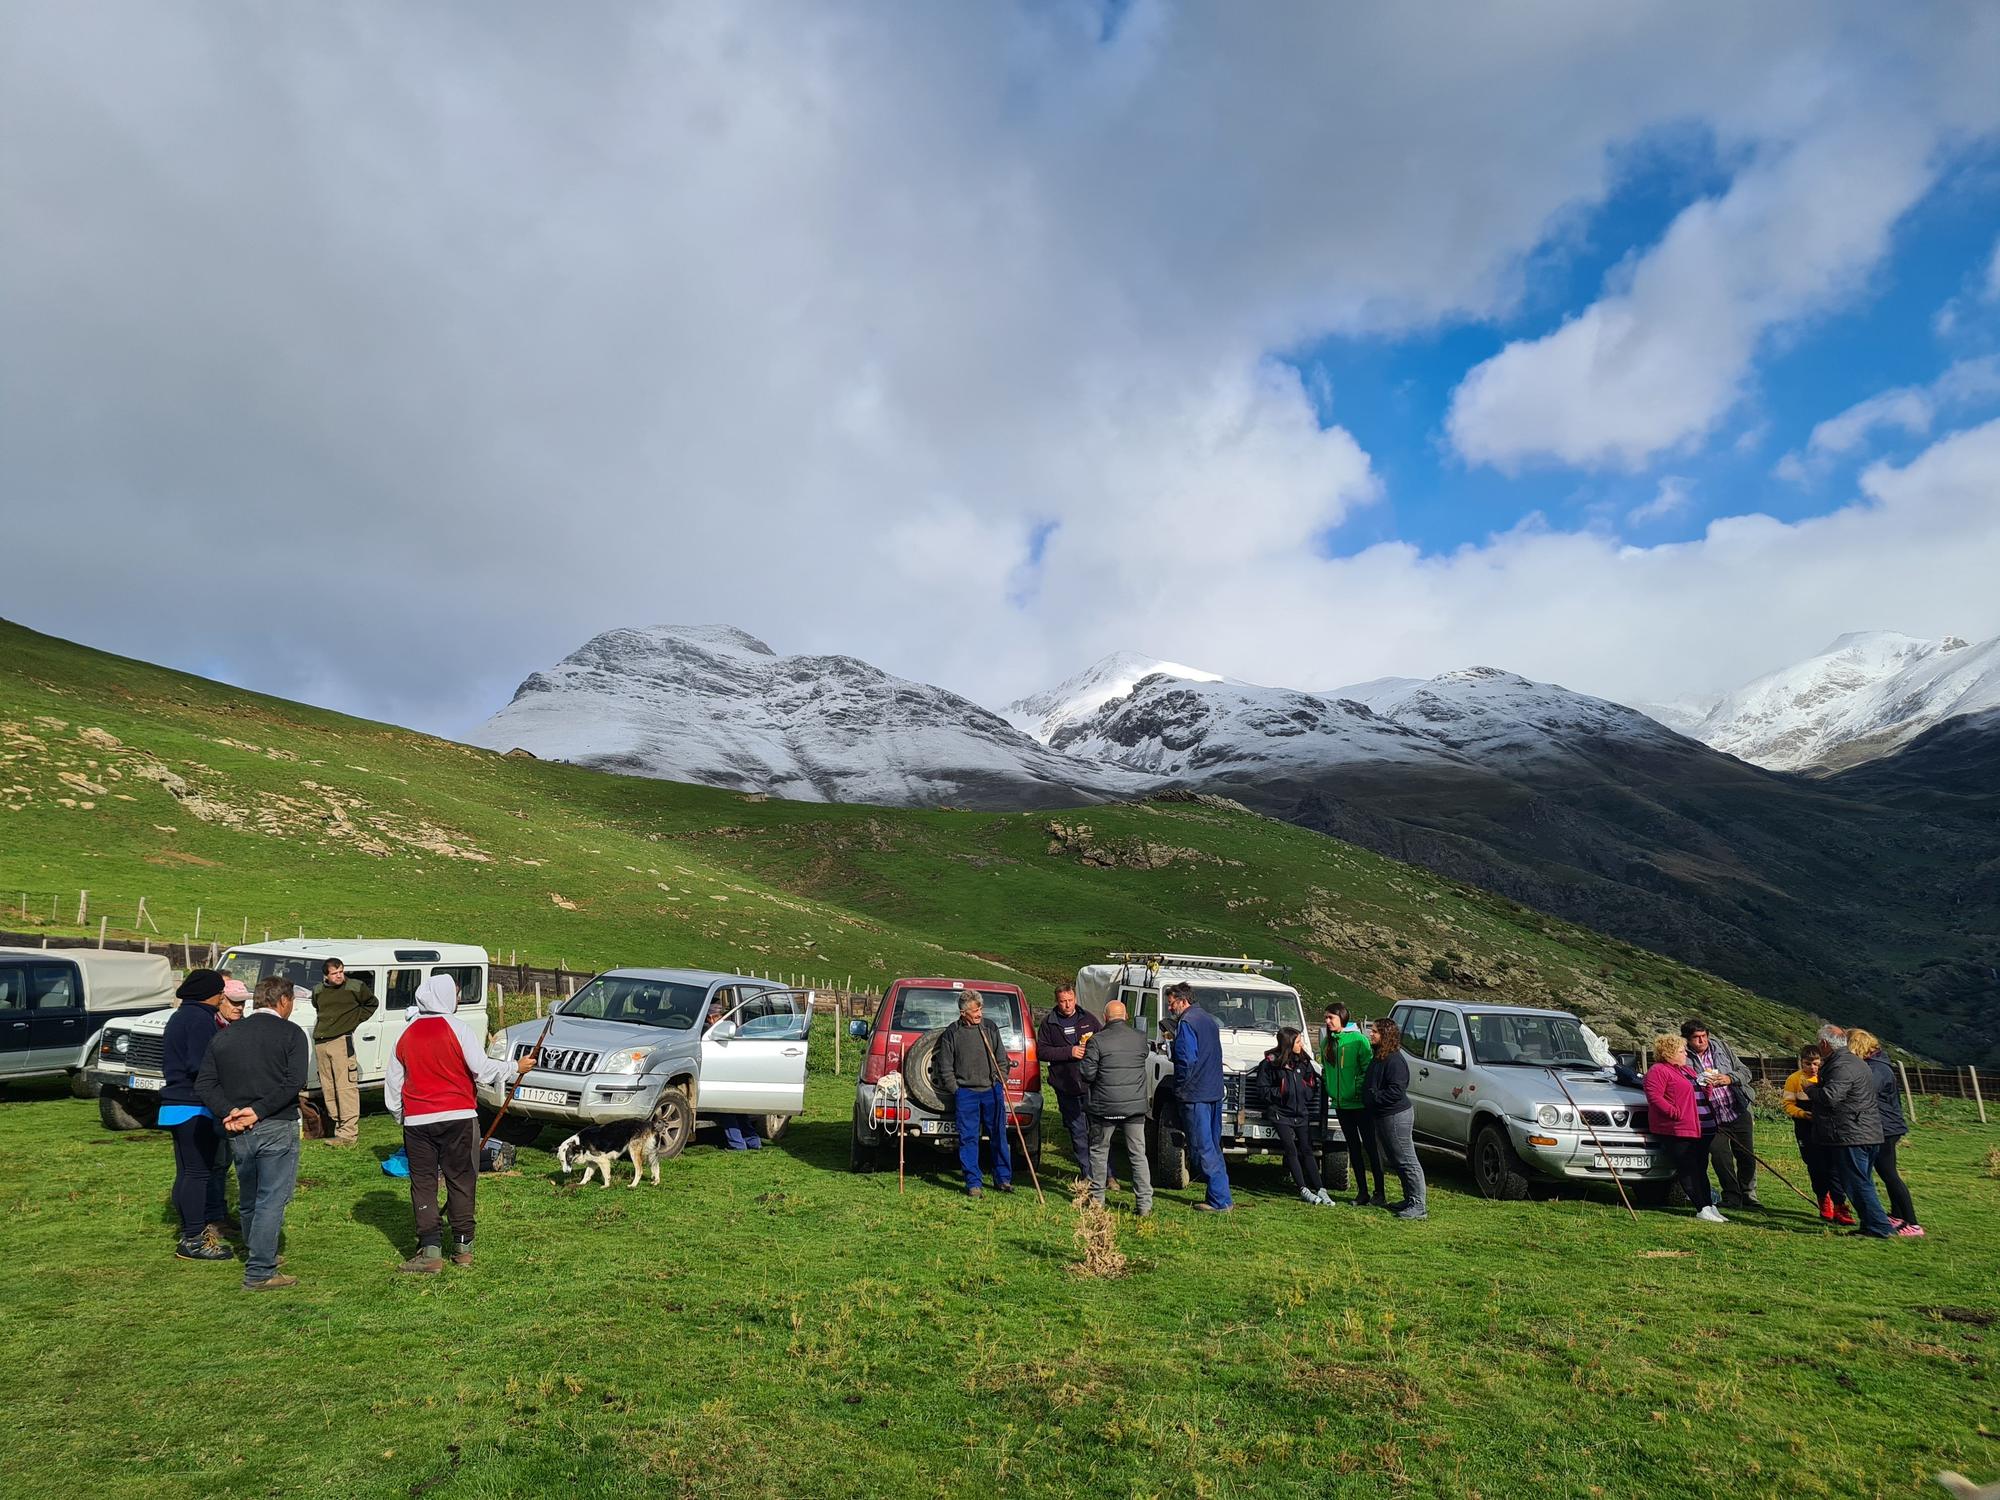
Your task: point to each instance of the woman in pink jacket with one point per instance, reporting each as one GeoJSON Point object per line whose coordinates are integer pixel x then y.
{"type": "Point", "coordinates": [1673, 1119]}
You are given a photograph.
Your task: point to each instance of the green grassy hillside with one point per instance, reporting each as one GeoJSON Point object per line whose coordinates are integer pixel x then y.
{"type": "Point", "coordinates": [130, 780]}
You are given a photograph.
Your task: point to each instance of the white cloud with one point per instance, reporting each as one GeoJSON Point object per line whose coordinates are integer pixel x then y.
{"type": "Point", "coordinates": [1911, 409]}
{"type": "Point", "coordinates": [1674, 496]}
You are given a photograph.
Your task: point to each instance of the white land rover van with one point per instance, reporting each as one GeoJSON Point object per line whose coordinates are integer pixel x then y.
{"type": "Point", "coordinates": [128, 1053]}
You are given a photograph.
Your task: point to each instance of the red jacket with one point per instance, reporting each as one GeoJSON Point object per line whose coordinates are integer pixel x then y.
{"type": "Point", "coordinates": [436, 1080]}
{"type": "Point", "coordinates": [1670, 1106]}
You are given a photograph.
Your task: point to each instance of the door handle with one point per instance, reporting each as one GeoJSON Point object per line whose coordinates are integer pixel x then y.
{"type": "Point", "coordinates": [1423, 1072]}
{"type": "Point", "coordinates": [795, 1051]}
{"type": "Point", "coordinates": [20, 1025]}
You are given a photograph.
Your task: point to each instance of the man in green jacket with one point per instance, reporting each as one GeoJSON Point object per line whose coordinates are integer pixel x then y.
{"type": "Point", "coordinates": [1344, 1058]}
{"type": "Point", "coordinates": [340, 1005]}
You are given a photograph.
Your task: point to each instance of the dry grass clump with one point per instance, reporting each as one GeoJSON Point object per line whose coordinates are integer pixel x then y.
{"type": "Point", "coordinates": [1993, 1163]}
{"type": "Point", "coordinates": [1096, 1236]}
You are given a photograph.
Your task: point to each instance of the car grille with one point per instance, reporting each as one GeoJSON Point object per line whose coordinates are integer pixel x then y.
{"type": "Point", "coordinates": [560, 1059]}
{"type": "Point", "coordinates": [1617, 1119]}
{"type": "Point", "coordinates": [143, 1055]}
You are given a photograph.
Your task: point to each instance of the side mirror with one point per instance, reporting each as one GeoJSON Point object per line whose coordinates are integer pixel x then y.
{"type": "Point", "coordinates": [1451, 1055]}
{"type": "Point", "coordinates": [858, 1029]}
{"type": "Point", "coordinates": [722, 1031]}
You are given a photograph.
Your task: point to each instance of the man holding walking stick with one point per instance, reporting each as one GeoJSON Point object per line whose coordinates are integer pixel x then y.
{"type": "Point", "coordinates": [971, 1063]}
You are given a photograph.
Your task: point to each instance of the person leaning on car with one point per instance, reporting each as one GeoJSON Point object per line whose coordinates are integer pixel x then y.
{"type": "Point", "coordinates": [340, 1005]}
{"type": "Point", "coordinates": [250, 1079]}
{"type": "Point", "coordinates": [972, 1065]}
{"type": "Point", "coordinates": [1113, 1070]}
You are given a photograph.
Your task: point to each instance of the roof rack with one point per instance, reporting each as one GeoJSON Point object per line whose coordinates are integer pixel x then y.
{"type": "Point", "coordinates": [1199, 961]}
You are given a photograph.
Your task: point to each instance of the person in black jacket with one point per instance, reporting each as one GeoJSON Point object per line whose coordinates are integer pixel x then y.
{"type": "Point", "coordinates": [201, 1151]}
{"type": "Point", "coordinates": [1289, 1086]}
{"type": "Point", "coordinates": [1848, 1116]}
{"type": "Point", "coordinates": [1889, 1104]}
{"type": "Point", "coordinates": [1113, 1070]}
{"type": "Point", "coordinates": [1060, 1040]}
{"type": "Point", "coordinates": [251, 1079]}
{"type": "Point", "coordinates": [1387, 1090]}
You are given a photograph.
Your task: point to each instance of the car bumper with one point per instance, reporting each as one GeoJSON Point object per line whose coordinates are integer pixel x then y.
{"type": "Point", "coordinates": [138, 1082]}
{"type": "Point", "coordinates": [918, 1122]}
{"type": "Point", "coordinates": [1579, 1155]}
{"type": "Point", "coordinates": [565, 1098]}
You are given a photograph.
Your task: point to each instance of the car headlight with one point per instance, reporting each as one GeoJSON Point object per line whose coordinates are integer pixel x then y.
{"type": "Point", "coordinates": [499, 1048]}
{"type": "Point", "coordinates": [1549, 1115]}
{"type": "Point", "coordinates": [626, 1060]}
{"type": "Point", "coordinates": [121, 1044]}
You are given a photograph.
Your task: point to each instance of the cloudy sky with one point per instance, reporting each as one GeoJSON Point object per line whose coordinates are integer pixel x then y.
{"type": "Point", "coordinates": [379, 353]}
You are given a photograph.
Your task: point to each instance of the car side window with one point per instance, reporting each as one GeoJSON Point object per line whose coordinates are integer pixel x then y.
{"type": "Point", "coordinates": [13, 987]}
{"type": "Point", "coordinates": [402, 990]}
{"type": "Point", "coordinates": [1417, 1031]}
{"type": "Point", "coordinates": [52, 987]}
{"type": "Point", "coordinates": [471, 983]}
{"type": "Point", "coordinates": [1401, 1016]}
{"type": "Point", "coordinates": [1446, 1032]}
{"type": "Point", "coordinates": [1135, 1008]}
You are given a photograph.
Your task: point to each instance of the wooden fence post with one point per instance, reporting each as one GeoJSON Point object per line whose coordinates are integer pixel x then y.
{"type": "Point", "coordinates": [538, 999]}
{"type": "Point", "coordinates": [1976, 1099]}
{"type": "Point", "coordinates": [101, 923]}
{"type": "Point", "coordinates": [83, 908]}
{"type": "Point", "coordinates": [197, 921]}
{"type": "Point", "coordinates": [1908, 1095]}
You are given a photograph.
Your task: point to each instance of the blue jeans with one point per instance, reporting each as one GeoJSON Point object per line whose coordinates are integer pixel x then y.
{"type": "Point", "coordinates": [1857, 1166]}
{"type": "Point", "coordinates": [979, 1109]}
{"type": "Point", "coordinates": [741, 1133]}
{"type": "Point", "coordinates": [267, 1169]}
{"type": "Point", "coordinates": [1203, 1123]}
{"type": "Point", "coordinates": [1076, 1120]}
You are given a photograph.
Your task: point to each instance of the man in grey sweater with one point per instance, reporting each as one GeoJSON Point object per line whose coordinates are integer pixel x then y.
{"type": "Point", "coordinates": [1113, 1068]}
{"type": "Point", "coordinates": [972, 1066]}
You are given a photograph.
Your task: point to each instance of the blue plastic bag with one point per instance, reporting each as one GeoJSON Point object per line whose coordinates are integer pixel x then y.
{"type": "Point", "coordinates": [397, 1165]}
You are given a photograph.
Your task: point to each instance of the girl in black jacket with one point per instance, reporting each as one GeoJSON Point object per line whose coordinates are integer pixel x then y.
{"type": "Point", "coordinates": [1289, 1085]}
{"type": "Point", "coordinates": [1387, 1089]}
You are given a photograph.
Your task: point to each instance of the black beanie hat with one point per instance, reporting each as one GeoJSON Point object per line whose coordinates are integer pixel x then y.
{"type": "Point", "coordinates": [201, 985]}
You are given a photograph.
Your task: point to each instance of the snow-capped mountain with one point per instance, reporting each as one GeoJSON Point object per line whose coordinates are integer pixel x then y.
{"type": "Point", "coordinates": [711, 704]}
{"type": "Point", "coordinates": [1866, 695]}
{"type": "Point", "coordinates": [1041, 716]}
{"type": "Point", "coordinates": [1504, 720]}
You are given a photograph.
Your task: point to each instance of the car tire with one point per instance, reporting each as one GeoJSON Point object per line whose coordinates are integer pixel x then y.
{"type": "Point", "coordinates": [863, 1152]}
{"type": "Point", "coordinates": [920, 1073]}
{"type": "Point", "coordinates": [83, 1086]}
{"type": "Point", "coordinates": [774, 1126]}
{"type": "Point", "coordinates": [1333, 1168]}
{"type": "Point", "coordinates": [1170, 1168]}
{"type": "Point", "coordinates": [675, 1118]}
{"type": "Point", "coordinates": [1496, 1170]}
{"type": "Point", "coordinates": [119, 1110]}
{"type": "Point", "coordinates": [516, 1130]}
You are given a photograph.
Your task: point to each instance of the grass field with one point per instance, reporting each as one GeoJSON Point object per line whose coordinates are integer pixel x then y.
{"type": "Point", "coordinates": [771, 1325]}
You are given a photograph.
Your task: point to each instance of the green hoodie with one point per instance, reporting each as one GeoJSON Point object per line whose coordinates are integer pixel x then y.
{"type": "Point", "coordinates": [1347, 1055]}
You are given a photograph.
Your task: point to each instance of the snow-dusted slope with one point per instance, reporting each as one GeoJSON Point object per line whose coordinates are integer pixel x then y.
{"type": "Point", "coordinates": [1042, 715]}
{"type": "Point", "coordinates": [711, 704]}
{"type": "Point", "coordinates": [1864, 696]}
{"type": "Point", "coordinates": [1503, 720]}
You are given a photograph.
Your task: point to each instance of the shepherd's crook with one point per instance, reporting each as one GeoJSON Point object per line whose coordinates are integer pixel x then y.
{"type": "Point", "coordinates": [536, 1053]}
{"type": "Point", "coordinates": [1597, 1141]}
{"type": "Point", "coordinates": [1784, 1179]}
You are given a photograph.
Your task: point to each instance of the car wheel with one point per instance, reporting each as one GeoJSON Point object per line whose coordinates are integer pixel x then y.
{"type": "Point", "coordinates": [1496, 1170]}
{"type": "Point", "coordinates": [1169, 1160]}
{"type": "Point", "coordinates": [674, 1118]}
{"type": "Point", "coordinates": [863, 1155]}
{"type": "Point", "coordinates": [774, 1126]}
{"type": "Point", "coordinates": [515, 1130]}
{"type": "Point", "coordinates": [119, 1110]}
{"type": "Point", "coordinates": [83, 1086]}
{"type": "Point", "coordinates": [918, 1075]}
{"type": "Point", "coordinates": [1333, 1167]}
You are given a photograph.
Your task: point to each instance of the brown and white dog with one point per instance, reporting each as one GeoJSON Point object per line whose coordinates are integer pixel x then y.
{"type": "Point", "coordinates": [598, 1147]}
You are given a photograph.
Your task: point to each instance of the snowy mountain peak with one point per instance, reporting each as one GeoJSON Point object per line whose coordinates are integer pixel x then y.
{"type": "Point", "coordinates": [1041, 716]}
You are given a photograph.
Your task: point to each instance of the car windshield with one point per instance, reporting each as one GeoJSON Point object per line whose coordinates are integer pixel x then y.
{"type": "Point", "coordinates": [1249, 1010]}
{"type": "Point", "coordinates": [1531, 1041]}
{"type": "Point", "coordinates": [638, 1002]}
{"type": "Point", "coordinates": [925, 1009]}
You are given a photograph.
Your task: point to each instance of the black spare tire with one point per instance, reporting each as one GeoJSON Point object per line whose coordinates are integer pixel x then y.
{"type": "Point", "coordinates": [920, 1073]}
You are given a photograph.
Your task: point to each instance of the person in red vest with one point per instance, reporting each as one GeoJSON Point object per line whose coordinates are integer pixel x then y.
{"type": "Point", "coordinates": [430, 1089]}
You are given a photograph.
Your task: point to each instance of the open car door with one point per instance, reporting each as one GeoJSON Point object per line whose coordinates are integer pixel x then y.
{"type": "Point", "coordinates": [753, 1060]}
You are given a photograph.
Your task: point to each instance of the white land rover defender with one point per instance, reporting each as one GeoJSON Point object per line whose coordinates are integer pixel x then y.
{"type": "Point", "coordinates": [1249, 1006]}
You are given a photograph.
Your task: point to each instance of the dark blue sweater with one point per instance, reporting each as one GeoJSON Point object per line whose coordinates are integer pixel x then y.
{"type": "Point", "coordinates": [189, 1031]}
{"type": "Point", "coordinates": [1387, 1084]}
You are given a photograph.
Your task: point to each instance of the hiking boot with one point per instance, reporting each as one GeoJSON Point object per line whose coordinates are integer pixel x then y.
{"type": "Point", "coordinates": [1842, 1214]}
{"type": "Point", "coordinates": [270, 1284]}
{"type": "Point", "coordinates": [1411, 1211]}
{"type": "Point", "coordinates": [974, 1191]}
{"type": "Point", "coordinates": [428, 1261]}
{"type": "Point", "coordinates": [202, 1248]}
{"type": "Point", "coordinates": [461, 1252]}
{"type": "Point", "coordinates": [1003, 1187]}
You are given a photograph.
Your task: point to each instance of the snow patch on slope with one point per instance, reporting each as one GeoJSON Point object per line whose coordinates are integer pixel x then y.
{"type": "Point", "coordinates": [1041, 716]}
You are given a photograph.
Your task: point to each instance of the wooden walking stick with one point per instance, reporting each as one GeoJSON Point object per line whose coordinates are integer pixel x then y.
{"type": "Point", "coordinates": [536, 1053]}
{"type": "Point", "coordinates": [1784, 1179]}
{"type": "Point", "coordinates": [1597, 1141]}
{"type": "Point", "coordinates": [1020, 1135]}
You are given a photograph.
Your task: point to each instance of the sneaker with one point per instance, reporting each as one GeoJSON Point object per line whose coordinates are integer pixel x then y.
{"type": "Point", "coordinates": [1909, 1231]}
{"type": "Point", "coordinates": [1205, 1207]}
{"type": "Point", "coordinates": [1145, 1210]}
{"type": "Point", "coordinates": [227, 1224]}
{"type": "Point", "coordinates": [1411, 1211]}
{"type": "Point", "coordinates": [1325, 1199]}
{"type": "Point", "coordinates": [202, 1249]}
{"type": "Point", "coordinates": [1752, 1199]}
{"type": "Point", "coordinates": [1380, 1200]}
{"type": "Point", "coordinates": [973, 1191]}
{"type": "Point", "coordinates": [270, 1284]}
{"type": "Point", "coordinates": [1826, 1207]}
{"type": "Point", "coordinates": [1360, 1201]}
{"type": "Point", "coordinates": [1844, 1215]}
{"type": "Point", "coordinates": [428, 1261]}
{"type": "Point", "coordinates": [1003, 1187]}
{"type": "Point", "coordinates": [1711, 1215]}
{"type": "Point", "coordinates": [1309, 1196]}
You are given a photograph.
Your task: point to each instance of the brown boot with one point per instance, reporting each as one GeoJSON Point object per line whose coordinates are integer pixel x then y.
{"type": "Point", "coordinates": [270, 1284]}
{"type": "Point", "coordinates": [428, 1261]}
{"type": "Point", "coordinates": [461, 1252]}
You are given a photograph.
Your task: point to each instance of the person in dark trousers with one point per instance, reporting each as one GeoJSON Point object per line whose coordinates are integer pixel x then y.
{"type": "Point", "coordinates": [201, 1150]}
{"type": "Point", "coordinates": [250, 1079]}
{"type": "Point", "coordinates": [1827, 1188]}
{"type": "Point", "coordinates": [1889, 1104]}
{"type": "Point", "coordinates": [340, 1005]}
{"type": "Point", "coordinates": [1288, 1084]}
{"type": "Point", "coordinates": [1847, 1112]}
{"type": "Point", "coordinates": [1387, 1090]}
{"type": "Point", "coordinates": [1344, 1057]}
{"type": "Point", "coordinates": [1113, 1069]}
{"type": "Point", "coordinates": [1197, 1055]}
{"type": "Point", "coordinates": [1721, 1076]}
{"type": "Point", "coordinates": [432, 1089]}
{"type": "Point", "coordinates": [1060, 1040]}
{"type": "Point", "coordinates": [972, 1065]}
{"type": "Point", "coordinates": [1673, 1118]}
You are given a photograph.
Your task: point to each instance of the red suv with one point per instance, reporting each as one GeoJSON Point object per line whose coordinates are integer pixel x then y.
{"type": "Point", "coordinates": [903, 1039]}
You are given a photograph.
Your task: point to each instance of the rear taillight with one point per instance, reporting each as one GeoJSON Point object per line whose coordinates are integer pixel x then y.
{"type": "Point", "coordinates": [876, 1063]}
{"type": "Point", "coordinates": [1028, 1078]}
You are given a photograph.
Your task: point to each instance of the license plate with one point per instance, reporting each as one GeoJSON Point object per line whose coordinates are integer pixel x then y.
{"type": "Point", "coordinates": [149, 1084]}
{"type": "Point", "coordinates": [541, 1096]}
{"type": "Point", "coordinates": [1625, 1163]}
{"type": "Point", "coordinates": [938, 1127]}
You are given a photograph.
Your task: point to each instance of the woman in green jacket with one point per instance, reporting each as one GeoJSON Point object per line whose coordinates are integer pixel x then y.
{"type": "Point", "coordinates": [1346, 1053]}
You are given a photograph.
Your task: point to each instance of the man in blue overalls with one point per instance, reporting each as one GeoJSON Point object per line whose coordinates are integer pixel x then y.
{"type": "Point", "coordinates": [1197, 1053]}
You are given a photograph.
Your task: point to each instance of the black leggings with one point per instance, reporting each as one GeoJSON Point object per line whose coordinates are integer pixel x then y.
{"type": "Point", "coordinates": [1363, 1150]}
{"type": "Point", "coordinates": [1689, 1154]}
{"type": "Point", "coordinates": [1900, 1206]}
{"type": "Point", "coordinates": [1295, 1139]}
{"type": "Point", "coordinates": [201, 1167]}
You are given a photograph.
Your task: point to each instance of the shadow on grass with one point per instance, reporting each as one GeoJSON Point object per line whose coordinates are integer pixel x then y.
{"type": "Point", "coordinates": [388, 1212]}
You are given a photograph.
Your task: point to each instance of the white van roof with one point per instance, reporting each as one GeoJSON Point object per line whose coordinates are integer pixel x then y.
{"type": "Point", "coordinates": [1097, 983]}
{"type": "Point", "coordinates": [113, 980]}
{"type": "Point", "coordinates": [371, 951]}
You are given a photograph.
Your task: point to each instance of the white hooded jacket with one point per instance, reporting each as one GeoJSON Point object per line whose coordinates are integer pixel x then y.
{"type": "Point", "coordinates": [438, 996]}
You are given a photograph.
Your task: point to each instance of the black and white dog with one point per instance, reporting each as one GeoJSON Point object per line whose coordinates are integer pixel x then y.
{"type": "Point", "coordinates": [598, 1147]}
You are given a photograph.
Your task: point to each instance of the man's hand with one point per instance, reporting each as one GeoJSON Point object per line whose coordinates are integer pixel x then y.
{"type": "Point", "coordinates": [523, 1063]}
{"type": "Point", "coordinates": [239, 1120]}
{"type": "Point", "coordinates": [1076, 1051]}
